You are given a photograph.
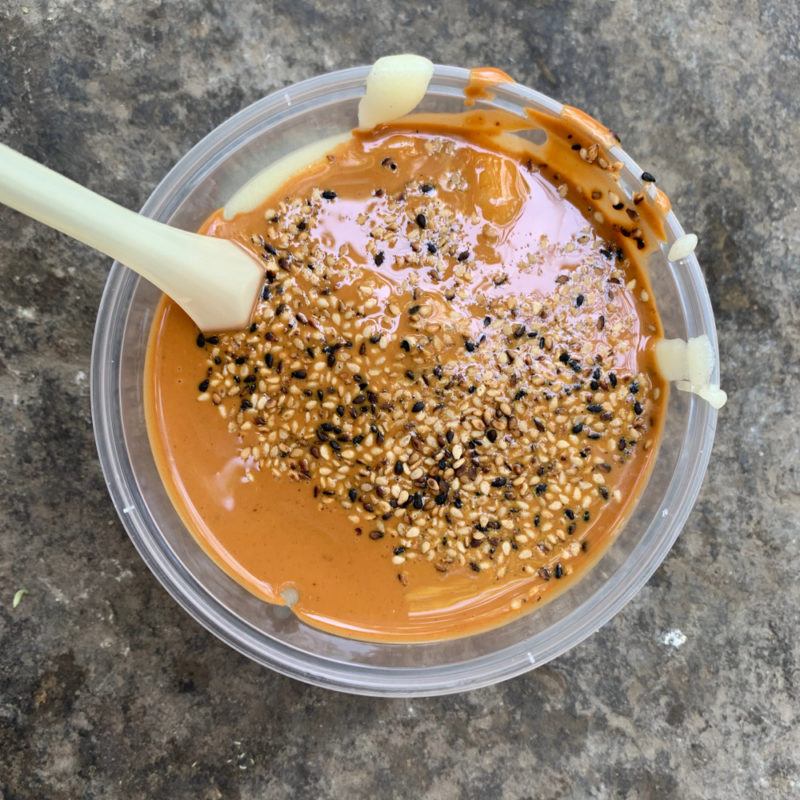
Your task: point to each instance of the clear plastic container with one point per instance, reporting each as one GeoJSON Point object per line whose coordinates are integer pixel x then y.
{"type": "Point", "coordinates": [201, 182]}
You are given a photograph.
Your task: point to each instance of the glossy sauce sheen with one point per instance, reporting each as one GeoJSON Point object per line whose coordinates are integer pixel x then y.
{"type": "Point", "coordinates": [270, 534]}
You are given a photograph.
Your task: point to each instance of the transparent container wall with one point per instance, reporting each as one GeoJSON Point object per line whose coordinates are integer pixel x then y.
{"type": "Point", "coordinates": [208, 177]}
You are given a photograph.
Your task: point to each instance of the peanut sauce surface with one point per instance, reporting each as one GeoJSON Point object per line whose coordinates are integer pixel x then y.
{"type": "Point", "coordinates": [498, 256]}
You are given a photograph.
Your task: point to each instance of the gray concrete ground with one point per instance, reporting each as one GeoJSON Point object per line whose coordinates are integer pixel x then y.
{"type": "Point", "coordinates": [107, 689]}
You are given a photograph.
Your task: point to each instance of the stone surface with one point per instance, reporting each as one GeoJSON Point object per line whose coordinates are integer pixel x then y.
{"type": "Point", "coordinates": [107, 689]}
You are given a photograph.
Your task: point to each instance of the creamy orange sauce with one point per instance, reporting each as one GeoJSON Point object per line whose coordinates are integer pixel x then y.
{"type": "Point", "coordinates": [481, 81]}
{"type": "Point", "coordinates": [272, 533]}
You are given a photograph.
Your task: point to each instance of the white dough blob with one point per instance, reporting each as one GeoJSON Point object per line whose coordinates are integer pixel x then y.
{"type": "Point", "coordinates": [395, 87]}
{"type": "Point", "coordinates": [250, 196]}
{"type": "Point", "coordinates": [690, 365]}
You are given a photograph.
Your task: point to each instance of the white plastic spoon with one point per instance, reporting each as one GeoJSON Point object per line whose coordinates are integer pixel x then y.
{"type": "Point", "coordinates": [215, 281]}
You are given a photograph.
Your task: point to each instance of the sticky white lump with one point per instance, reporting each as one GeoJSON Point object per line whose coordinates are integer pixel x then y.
{"type": "Point", "coordinates": [690, 364]}
{"type": "Point", "coordinates": [395, 87]}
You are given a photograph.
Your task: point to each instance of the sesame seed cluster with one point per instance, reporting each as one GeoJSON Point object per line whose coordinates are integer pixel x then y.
{"type": "Point", "coordinates": [410, 378]}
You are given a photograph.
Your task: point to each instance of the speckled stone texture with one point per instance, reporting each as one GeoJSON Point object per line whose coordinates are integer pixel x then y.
{"type": "Point", "coordinates": [108, 690]}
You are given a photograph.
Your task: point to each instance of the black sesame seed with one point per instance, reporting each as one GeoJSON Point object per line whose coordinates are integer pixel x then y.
{"type": "Point", "coordinates": [269, 359]}
{"type": "Point", "coordinates": [201, 340]}
{"type": "Point", "coordinates": [329, 194]}
{"type": "Point", "coordinates": [266, 293]}
{"type": "Point", "coordinates": [417, 501]}
{"type": "Point", "coordinates": [637, 408]}
{"type": "Point", "coordinates": [300, 374]}
{"type": "Point", "coordinates": [603, 492]}
{"type": "Point", "coordinates": [541, 488]}
{"type": "Point", "coordinates": [577, 428]}
{"type": "Point", "coordinates": [594, 408]}
{"type": "Point", "coordinates": [569, 513]}
{"type": "Point", "coordinates": [431, 248]}
{"type": "Point", "coordinates": [559, 571]}
{"type": "Point", "coordinates": [648, 177]}
{"type": "Point", "coordinates": [564, 357]}
{"type": "Point", "coordinates": [375, 535]}
{"type": "Point", "coordinates": [622, 444]}
{"type": "Point", "coordinates": [612, 379]}
{"type": "Point", "coordinates": [405, 345]}
{"type": "Point", "coordinates": [438, 371]}
{"type": "Point", "coordinates": [470, 346]}
{"type": "Point", "coordinates": [353, 495]}
{"type": "Point", "coordinates": [203, 386]}
{"type": "Point", "coordinates": [426, 188]}
{"type": "Point", "coordinates": [634, 388]}
{"type": "Point", "coordinates": [398, 467]}
{"type": "Point", "coordinates": [399, 550]}
{"type": "Point", "coordinates": [579, 300]}
{"type": "Point", "coordinates": [463, 255]}
{"type": "Point", "coordinates": [241, 360]}
{"type": "Point", "coordinates": [499, 482]}
{"type": "Point", "coordinates": [417, 407]}
{"type": "Point", "coordinates": [440, 499]}
{"type": "Point", "coordinates": [491, 435]}
{"type": "Point", "coordinates": [422, 221]}
{"type": "Point", "coordinates": [450, 435]}
{"type": "Point", "coordinates": [413, 310]}
{"type": "Point", "coordinates": [379, 258]}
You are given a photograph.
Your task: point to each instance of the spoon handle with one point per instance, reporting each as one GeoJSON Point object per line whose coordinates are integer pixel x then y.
{"type": "Point", "coordinates": [214, 280]}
